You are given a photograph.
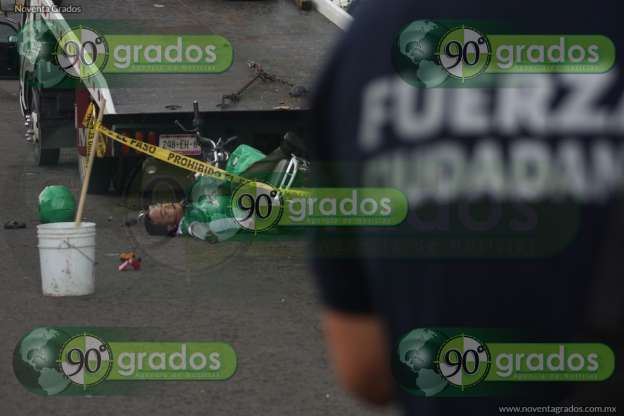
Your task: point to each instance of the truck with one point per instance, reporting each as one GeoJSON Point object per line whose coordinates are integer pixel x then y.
{"type": "Point", "coordinates": [278, 47]}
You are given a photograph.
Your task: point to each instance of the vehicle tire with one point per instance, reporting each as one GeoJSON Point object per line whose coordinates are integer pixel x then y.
{"type": "Point", "coordinates": [161, 189]}
{"type": "Point", "coordinates": [126, 169]}
{"type": "Point", "coordinates": [42, 157]}
{"type": "Point", "coordinates": [101, 174]}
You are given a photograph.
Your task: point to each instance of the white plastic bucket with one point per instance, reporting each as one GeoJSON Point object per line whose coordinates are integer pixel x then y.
{"type": "Point", "coordinates": [67, 257]}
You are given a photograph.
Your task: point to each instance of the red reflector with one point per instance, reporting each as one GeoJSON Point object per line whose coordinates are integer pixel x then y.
{"type": "Point", "coordinates": [139, 137]}
{"type": "Point", "coordinates": [124, 149]}
{"type": "Point", "coordinates": [151, 138]}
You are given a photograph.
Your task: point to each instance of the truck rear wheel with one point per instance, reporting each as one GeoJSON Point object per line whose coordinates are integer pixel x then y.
{"type": "Point", "coordinates": [42, 156]}
{"type": "Point", "coordinates": [123, 173]}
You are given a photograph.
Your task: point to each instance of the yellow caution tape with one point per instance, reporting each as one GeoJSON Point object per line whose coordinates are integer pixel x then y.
{"type": "Point", "coordinates": [100, 151]}
{"type": "Point", "coordinates": [167, 156]}
{"type": "Point", "coordinates": [90, 138]}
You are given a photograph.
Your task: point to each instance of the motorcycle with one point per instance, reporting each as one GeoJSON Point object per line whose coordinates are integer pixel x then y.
{"type": "Point", "coordinates": [286, 162]}
{"type": "Point", "coordinates": [207, 202]}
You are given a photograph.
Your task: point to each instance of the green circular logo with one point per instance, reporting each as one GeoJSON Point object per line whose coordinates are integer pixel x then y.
{"type": "Point", "coordinates": [414, 54]}
{"type": "Point", "coordinates": [86, 360]}
{"type": "Point", "coordinates": [463, 361]}
{"type": "Point", "coordinates": [464, 52]}
{"type": "Point", "coordinates": [82, 52]}
{"type": "Point", "coordinates": [257, 206]}
{"type": "Point", "coordinates": [413, 363]}
{"type": "Point", "coordinates": [35, 361]}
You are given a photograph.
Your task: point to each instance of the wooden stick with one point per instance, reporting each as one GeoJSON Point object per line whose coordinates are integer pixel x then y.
{"type": "Point", "coordinates": [87, 175]}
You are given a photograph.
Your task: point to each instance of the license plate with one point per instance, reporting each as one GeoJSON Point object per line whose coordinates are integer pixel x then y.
{"type": "Point", "coordinates": [185, 144]}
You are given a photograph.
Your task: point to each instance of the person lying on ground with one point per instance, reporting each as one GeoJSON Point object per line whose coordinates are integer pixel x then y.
{"type": "Point", "coordinates": [205, 214]}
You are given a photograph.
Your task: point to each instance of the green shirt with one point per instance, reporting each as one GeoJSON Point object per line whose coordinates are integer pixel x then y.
{"type": "Point", "coordinates": [207, 214]}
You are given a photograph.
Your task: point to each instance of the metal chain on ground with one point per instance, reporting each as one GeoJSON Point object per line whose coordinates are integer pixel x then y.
{"type": "Point", "coordinates": [265, 76]}
{"type": "Point", "coordinates": [260, 74]}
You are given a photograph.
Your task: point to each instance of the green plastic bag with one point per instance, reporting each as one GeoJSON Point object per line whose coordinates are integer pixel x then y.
{"type": "Point", "coordinates": [242, 158]}
{"type": "Point", "coordinates": [208, 208]}
{"type": "Point", "coordinates": [56, 204]}
{"type": "Point", "coordinates": [207, 215]}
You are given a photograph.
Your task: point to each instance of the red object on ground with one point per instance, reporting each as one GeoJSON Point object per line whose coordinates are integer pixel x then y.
{"type": "Point", "coordinates": [129, 260]}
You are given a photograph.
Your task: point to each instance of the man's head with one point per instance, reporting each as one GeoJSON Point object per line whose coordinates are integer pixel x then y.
{"type": "Point", "coordinates": [163, 219]}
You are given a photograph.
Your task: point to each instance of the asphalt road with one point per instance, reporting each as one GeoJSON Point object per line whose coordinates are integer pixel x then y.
{"type": "Point", "coordinates": [259, 297]}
